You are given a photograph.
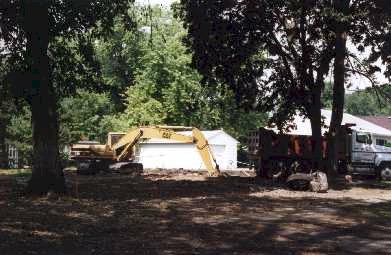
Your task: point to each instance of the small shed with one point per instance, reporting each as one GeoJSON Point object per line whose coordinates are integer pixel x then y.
{"type": "Point", "coordinates": [169, 154]}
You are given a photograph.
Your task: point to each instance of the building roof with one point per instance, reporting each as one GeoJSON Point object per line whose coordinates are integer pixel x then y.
{"type": "Point", "coordinates": [383, 121]}
{"type": "Point", "coordinates": [213, 136]}
{"type": "Point", "coordinates": [303, 125]}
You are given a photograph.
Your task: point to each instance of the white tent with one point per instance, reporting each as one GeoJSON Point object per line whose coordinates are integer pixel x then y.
{"type": "Point", "coordinates": [169, 154]}
{"type": "Point", "coordinates": [303, 125]}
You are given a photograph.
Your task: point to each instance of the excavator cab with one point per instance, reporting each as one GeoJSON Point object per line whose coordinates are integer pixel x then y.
{"type": "Point", "coordinates": [114, 137]}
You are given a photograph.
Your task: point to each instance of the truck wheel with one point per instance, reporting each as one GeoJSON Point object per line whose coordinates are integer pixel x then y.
{"type": "Point", "coordinates": [385, 173]}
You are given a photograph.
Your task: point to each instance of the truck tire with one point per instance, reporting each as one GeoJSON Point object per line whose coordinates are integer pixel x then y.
{"type": "Point", "coordinates": [385, 173]}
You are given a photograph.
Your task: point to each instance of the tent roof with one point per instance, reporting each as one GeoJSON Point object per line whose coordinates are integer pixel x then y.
{"type": "Point", "coordinates": [303, 125]}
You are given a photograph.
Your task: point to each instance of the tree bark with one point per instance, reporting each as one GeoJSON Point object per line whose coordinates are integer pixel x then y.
{"type": "Point", "coordinates": [316, 121]}
{"type": "Point", "coordinates": [342, 7]}
{"type": "Point", "coordinates": [47, 174]}
{"type": "Point", "coordinates": [3, 147]}
{"type": "Point", "coordinates": [4, 119]}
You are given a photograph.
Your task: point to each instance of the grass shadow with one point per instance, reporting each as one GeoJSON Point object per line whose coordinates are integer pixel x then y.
{"type": "Point", "coordinates": [118, 214]}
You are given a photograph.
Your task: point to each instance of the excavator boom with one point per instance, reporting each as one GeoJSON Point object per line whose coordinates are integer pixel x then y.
{"type": "Point", "coordinates": [124, 146]}
{"type": "Point", "coordinates": [120, 146]}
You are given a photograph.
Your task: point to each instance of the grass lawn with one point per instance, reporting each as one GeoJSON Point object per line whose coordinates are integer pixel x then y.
{"type": "Point", "coordinates": [15, 172]}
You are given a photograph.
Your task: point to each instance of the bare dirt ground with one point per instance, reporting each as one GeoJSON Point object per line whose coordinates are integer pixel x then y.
{"type": "Point", "coordinates": [164, 212]}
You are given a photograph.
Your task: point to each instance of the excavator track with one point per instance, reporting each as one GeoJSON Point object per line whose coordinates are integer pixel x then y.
{"type": "Point", "coordinates": [127, 168]}
{"type": "Point", "coordinates": [91, 167]}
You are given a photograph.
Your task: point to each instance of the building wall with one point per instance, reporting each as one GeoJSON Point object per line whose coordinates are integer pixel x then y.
{"type": "Point", "coordinates": [232, 157]}
{"type": "Point", "coordinates": [386, 139]}
{"type": "Point", "coordinates": [13, 156]}
{"type": "Point", "coordinates": [176, 155]}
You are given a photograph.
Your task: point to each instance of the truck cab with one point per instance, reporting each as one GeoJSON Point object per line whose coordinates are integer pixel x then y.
{"type": "Point", "coordinates": [370, 153]}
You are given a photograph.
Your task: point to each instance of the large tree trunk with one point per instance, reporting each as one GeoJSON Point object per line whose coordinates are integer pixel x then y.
{"type": "Point", "coordinates": [3, 147]}
{"type": "Point", "coordinates": [47, 173]}
{"type": "Point", "coordinates": [316, 126]}
{"type": "Point", "coordinates": [4, 120]}
{"type": "Point", "coordinates": [341, 6]}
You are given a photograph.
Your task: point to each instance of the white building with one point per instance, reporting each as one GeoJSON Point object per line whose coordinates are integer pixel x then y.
{"type": "Point", "coordinates": [303, 126]}
{"type": "Point", "coordinates": [169, 154]}
{"type": "Point", "coordinates": [13, 156]}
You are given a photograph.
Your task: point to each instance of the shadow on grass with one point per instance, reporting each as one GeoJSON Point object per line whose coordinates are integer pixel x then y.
{"type": "Point", "coordinates": [371, 182]}
{"type": "Point", "coordinates": [366, 182]}
{"type": "Point", "coordinates": [125, 215]}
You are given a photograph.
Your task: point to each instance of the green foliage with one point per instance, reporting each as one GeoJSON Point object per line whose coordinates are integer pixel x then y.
{"type": "Point", "coordinates": [74, 65]}
{"type": "Point", "coordinates": [367, 102]}
{"type": "Point", "coordinates": [327, 96]}
{"type": "Point", "coordinates": [83, 117]}
{"type": "Point", "coordinates": [16, 172]}
{"type": "Point", "coordinates": [361, 103]}
{"type": "Point", "coordinates": [20, 135]}
{"type": "Point", "coordinates": [165, 88]}
{"type": "Point", "coordinates": [167, 77]}
{"type": "Point", "coordinates": [119, 57]}
{"type": "Point", "coordinates": [67, 18]}
{"type": "Point", "coordinates": [140, 109]}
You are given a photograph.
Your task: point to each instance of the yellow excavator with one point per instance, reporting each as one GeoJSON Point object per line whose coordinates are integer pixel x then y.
{"type": "Point", "coordinates": [119, 149]}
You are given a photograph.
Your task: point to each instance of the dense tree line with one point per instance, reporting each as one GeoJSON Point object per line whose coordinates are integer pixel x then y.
{"type": "Point", "coordinates": [367, 102]}
{"type": "Point", "coordinates": [364, 102]}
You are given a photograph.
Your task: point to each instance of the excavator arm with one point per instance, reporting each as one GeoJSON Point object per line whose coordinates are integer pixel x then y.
{"type": "Point", "coordinates": [205, 152]}
{"type": "Point", "coordinates": [123, 148]}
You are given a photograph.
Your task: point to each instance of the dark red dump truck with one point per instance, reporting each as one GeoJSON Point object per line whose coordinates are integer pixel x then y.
{"type": "Point", "coordinates": [272, 154]}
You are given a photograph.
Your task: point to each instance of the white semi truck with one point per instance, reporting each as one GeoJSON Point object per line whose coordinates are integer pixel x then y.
{"type": "Point", "coordinates": [371, 154]}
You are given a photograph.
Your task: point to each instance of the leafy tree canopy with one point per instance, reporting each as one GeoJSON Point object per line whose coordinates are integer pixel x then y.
{"type": "Point", "coordinates": [165, 88]}
{"type": "Point", "coordinates": [297, 39]}
{"type": "Point", "coordinates": [83, 117]}
{"type": "Point", "coordinates": [300, 41]}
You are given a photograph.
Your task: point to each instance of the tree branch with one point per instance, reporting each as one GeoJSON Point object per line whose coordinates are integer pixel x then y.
{"type": "Point", "coordinates": [285, 57]}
